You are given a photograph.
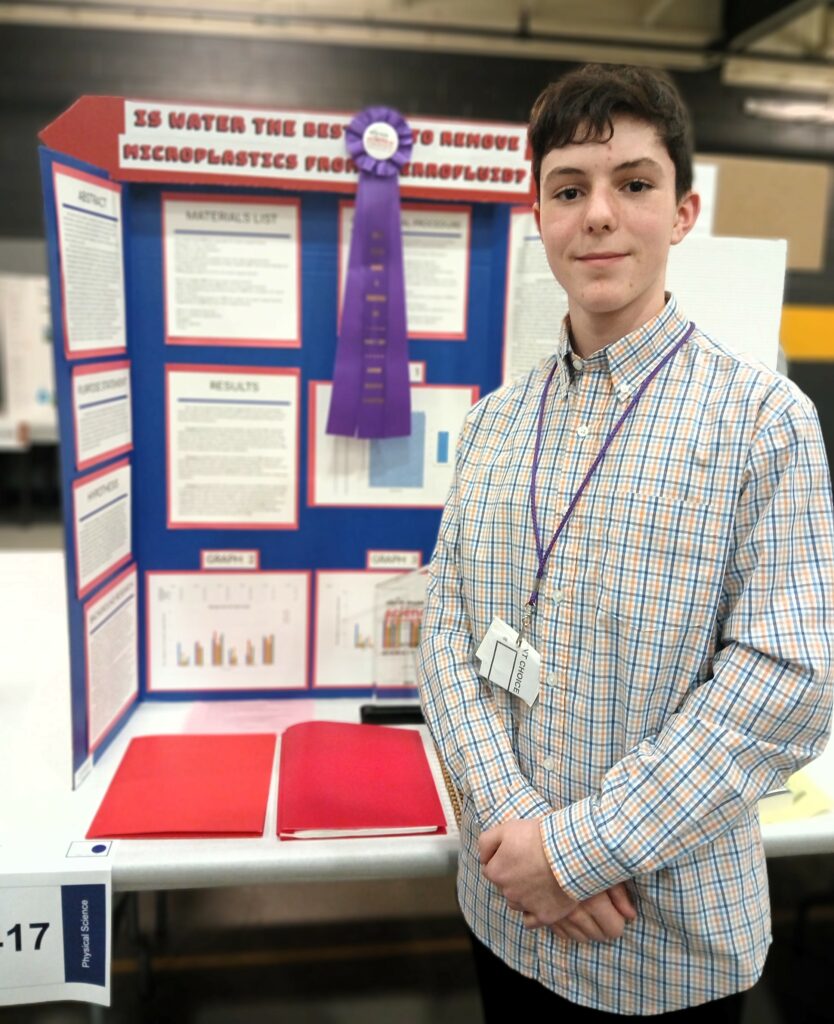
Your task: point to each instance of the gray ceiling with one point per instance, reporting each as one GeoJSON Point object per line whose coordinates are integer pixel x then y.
{"type": "Point", "coordinates": [787, 45]}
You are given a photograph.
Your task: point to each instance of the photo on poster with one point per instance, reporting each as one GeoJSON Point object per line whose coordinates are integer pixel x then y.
{"type": "Point", "coordinates": [232, 447]}
{"type": "Point", "coordinates": [398, 620]}
{"type": "Point", "coordinates": [102, 524]}
{"type": "Point", "coordinates": [89, 214]}
{"type": "Point", "coordinates": [112, 655]}
{"type": "Point", "coordinates": [436, 254]}
{"type": "Point", "coordinates": [227, 631]}
{"type": "Point", "coordinates": [343, 644]}
{"type": "Point", "coordinates": [101, 411]}
{"type": "Point", "coordinates": [395, 472]}
{"type": "Point", "coordinates": [232, 270]}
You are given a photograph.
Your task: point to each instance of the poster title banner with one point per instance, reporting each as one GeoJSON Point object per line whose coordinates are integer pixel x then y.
{"type": "Point", "coordinates": [137, 140]}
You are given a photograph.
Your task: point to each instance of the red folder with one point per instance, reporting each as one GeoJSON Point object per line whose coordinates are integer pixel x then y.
{"type": "Point", "coordinates": [337, 780]}
{"type": "Point", "coordinates": [170, 787]}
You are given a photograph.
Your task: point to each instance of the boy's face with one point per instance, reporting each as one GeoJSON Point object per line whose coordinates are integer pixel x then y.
{"type": "Point", "coordinates": [607, 214]}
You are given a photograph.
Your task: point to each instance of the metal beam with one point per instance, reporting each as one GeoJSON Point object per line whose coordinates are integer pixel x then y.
{"type": "Point", "coordinates": [748, 21]}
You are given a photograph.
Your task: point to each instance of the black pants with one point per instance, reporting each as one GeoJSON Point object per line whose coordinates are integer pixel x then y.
{"type": "Point", "coordinates": [501, 987]}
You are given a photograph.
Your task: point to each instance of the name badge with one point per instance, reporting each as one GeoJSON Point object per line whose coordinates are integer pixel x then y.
{"type": "Point", "coordinates": [506, 663]}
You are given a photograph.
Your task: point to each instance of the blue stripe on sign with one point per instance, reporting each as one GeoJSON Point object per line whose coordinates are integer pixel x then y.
{"type": "Point", "coordinates": [235, 234]}
{"type": "Point", "coordinates": [103, 401]}
{"type": "Point", "coordinates": [443, 446]}
{"type": "Point", "coordinates": [91, 213]}
{"type": "Point", "coordinates": [83, 911]}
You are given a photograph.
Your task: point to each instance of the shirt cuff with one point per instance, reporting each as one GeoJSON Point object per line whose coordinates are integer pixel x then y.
{"type": "Point", "coordinates": [579, 858]}
{"type": "Point", "coordinates": [522, 802]}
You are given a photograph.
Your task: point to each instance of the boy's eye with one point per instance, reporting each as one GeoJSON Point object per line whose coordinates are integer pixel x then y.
{"type": "Point", "coordinates": [567, 194]}
{"type": "Point", "coordinates": [638, 186]}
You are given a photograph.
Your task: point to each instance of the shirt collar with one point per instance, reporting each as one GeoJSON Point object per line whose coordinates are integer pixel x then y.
{"type": "Point", "coordinates": [628, 360]}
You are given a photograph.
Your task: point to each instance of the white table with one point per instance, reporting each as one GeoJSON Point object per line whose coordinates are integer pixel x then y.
{"type": "Point", "coordinates": [38, 805]}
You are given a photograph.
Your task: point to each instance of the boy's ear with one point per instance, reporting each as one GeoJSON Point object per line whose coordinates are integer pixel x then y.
{"type": "Point", "coordinates": [687, 214]}
{"type": "Point", "coordinates": [537, 213]}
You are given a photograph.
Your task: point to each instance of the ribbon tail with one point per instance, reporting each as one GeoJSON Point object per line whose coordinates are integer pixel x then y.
{"type": "Point", "coordinates": [371, 394]}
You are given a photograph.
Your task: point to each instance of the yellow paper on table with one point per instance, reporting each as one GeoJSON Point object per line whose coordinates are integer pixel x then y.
{"type": "Point", "coordinates": [802, 798]}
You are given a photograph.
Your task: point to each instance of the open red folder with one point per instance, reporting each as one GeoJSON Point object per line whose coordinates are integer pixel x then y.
{"type": "Point", "coordinates": [338, 780]}
{"type": "Point", "coordinates": [170, 787]}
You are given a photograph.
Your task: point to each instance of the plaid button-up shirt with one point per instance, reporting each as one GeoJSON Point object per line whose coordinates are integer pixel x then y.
{"type": "Point", "coordinates": [685, 628]}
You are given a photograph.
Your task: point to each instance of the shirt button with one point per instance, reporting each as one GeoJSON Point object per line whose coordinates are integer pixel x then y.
{"type": "Point", "coordinates": [549, 763]}
{"type": "Point", "coordinates": [556, 597]}
{"type": "Point", "coordinates": [582, 431]}
{"type": "Point", "coordinates": [551, 679]}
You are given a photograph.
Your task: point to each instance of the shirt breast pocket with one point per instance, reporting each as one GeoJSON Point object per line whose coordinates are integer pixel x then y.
{"type": "Point", "coordinates": [661, 570]}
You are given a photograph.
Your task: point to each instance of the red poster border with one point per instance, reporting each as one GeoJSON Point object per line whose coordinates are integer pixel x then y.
{"type": "Point", "coordinates": [93, 745]}
{"type": "Point", "coordinates": [111, 186]}
{"type": "Point", "coordinates": [305, 675]}
{"type": "Point", "coordinates": [433, 208]}
{"type": "Point", "coordinates": [351, 686]}
{"type": "Point", "coordinates": [474, 390]}
{"type": "Point", "coordinates": [89, 130]}
{"type": "Point", "coordinates": [281, 371]}
{"type": "Point", "coordinates": [82, 481]}
{"type": "Point", "coordinates": [209, 197]}
{"type": "Point", "coordinates": [83, 370]}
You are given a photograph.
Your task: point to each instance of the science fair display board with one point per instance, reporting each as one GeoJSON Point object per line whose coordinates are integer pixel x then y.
{"type": "Point", "coordinates": [221, 542]}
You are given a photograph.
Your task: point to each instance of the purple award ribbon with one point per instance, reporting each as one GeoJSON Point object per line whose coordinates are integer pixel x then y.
{"type": "Point", "coordinates": [371, 394]}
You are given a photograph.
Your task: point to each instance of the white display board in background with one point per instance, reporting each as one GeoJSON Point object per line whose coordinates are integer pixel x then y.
{"type": "Point", "coordinates": [731, 287]}
{"type": "Point", "coordinates": [705, 183]}
{"type": "Point", "coordinates": [27, 376]}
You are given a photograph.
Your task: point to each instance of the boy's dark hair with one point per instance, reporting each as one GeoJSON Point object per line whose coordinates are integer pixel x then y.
{"type": "Point", "coordinates": [581, 105]}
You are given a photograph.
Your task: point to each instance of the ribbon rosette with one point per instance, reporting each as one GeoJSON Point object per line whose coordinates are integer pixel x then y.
{"type": "Point", "coordinates": [371, 396]}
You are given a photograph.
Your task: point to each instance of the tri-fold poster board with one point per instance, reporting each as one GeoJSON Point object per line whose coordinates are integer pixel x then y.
{"type": "Point", "coordinates": [220, 543]}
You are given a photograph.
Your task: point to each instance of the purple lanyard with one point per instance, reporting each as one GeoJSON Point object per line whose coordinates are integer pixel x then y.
{"type": "Point", "coordinates": [545, 555]}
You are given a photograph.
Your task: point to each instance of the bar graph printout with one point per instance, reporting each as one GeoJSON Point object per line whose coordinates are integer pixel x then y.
{"type": "Point", "coordinates": [227, 631]}
{"type": "Point", "coordinates": [413, 472]}
{"type": "Point", "coordinates": [398, 620]}
{"type": "Point", "coordinates": [345, 636]}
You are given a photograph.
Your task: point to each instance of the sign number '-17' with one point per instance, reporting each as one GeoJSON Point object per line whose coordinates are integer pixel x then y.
{"type": "Point", "coordinates": [17, 932]}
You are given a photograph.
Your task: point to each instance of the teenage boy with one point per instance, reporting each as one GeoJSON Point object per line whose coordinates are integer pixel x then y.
{"type": "Point", "coordinates": [654, 516]}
